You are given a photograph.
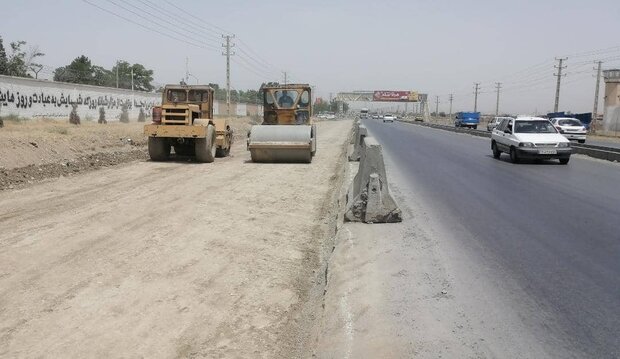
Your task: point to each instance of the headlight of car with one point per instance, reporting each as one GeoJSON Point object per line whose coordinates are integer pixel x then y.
{"type": "Point", "coordinates": [564, 144]}
{"type": "Point", "coordinates": [526, 144]}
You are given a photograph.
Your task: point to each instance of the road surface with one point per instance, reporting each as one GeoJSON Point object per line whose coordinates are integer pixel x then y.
{"type": "Point", "coordinates": [169, 259]}
{"type": "Point", "coordinates": [527, 257]}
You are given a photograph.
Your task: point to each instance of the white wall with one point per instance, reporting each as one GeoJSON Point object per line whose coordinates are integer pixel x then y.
{"type": "Point", "coordinates": [241, 109]}
{"type": "Point", "coordinates": [31, 98]}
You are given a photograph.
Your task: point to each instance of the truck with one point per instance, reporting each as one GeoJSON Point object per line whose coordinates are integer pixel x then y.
{"type": "Point", "coordinates": [185, 122]}
{"type": "Point", "coordinates": [467, 119]}
{"type": "Point", "coordinates": [364, 113]}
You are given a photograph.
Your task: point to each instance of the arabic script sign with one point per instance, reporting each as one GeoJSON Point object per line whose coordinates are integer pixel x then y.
{"type": "Point", "coordinates": [395, 96]}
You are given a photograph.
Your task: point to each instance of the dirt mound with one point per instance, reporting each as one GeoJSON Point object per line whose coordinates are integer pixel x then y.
{"type": "Point", "coordinates": [17, 177]}
{"type": "Point", "coordinates": [35, 150]}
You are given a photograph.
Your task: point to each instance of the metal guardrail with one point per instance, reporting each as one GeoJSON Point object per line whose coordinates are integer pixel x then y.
{"type": "Point", "coordinates": [596, 151]}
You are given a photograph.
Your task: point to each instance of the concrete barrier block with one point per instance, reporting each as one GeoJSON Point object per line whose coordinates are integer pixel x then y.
{"type": "Point", "coordinates": [369, 199]}
{"type": "Point", "coordinates": [360, 134]}
{"type": "Point", "coordinates": [356, 124]}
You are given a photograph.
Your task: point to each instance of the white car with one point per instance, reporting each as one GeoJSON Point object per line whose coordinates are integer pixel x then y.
{"type": "Point", "coordinates": [494, 122]}
{"type": "Point", "coordinates": [529, 137]}
{"type": "Point", "coordinates": [571, 128]}
{"type": "Point", "coordinates": [389, 118]}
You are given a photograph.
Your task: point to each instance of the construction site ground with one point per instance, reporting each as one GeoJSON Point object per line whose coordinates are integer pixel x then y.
{"type": "Point", "coordinates": [168, 259]}
{"type": "Point", "coordinates": [37, 150]}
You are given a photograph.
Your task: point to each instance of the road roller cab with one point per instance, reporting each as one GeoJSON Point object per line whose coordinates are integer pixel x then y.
{"type": "Point", "coordinates": [185, 122]}
{"type": "Point", "coordinates": [287, 133]}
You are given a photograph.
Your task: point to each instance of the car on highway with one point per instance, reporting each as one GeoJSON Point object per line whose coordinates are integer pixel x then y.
{"type": "Point", "coordinates": [389, 118]}
{"type": "Point", "coordinates": [529, 138]}
{"type": "Point", "coordinates": [494, 122]}
{"type": "Point", "coordinates": [571, 128]}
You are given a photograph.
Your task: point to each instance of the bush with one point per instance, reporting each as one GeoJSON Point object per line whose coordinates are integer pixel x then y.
{"type": "Point", "coordinates": [124, 114]}
{"type": "Point", "coordinates": [102, 119]}
{"type": "Point", "coordinates": [141, 116]}
{"type": "Point", "coordinates": [74, 118]}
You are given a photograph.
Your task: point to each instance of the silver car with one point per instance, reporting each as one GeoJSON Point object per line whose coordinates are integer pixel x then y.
{"type": "Point", "coordinates": [494, 122]}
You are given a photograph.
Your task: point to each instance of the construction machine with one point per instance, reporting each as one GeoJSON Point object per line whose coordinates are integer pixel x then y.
{"type": "Point", "coordinates": [185, 122]}
{"type": "Point", "coordinates": [287, 133]}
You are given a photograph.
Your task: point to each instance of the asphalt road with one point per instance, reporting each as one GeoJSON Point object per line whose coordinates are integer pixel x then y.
{"type": "Point", "coordinates": [603, 143]}
{"type": "Point", "coordinates": [551, 229]}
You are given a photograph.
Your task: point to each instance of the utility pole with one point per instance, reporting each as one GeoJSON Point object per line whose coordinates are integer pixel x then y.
{"type": "Point", "coordinates": [557, 86]}
{"type": "Point", "coordinates": [498, 86]}
{"type": "Point", "coordinates": [285, 77]}
{"type": "Point", "coordinates": [476, 90]}
{"type": "Point", "coordinates": [436, 106]}
{"type": "Point", "coordinates": [228, 54]}
{"type": "Point", "coordinates": [451, 98]}
{"type": "Point", "coordinates": [598, 85]}
{"type": "Point", "coordinates": [132, 79]}
{"type": "Point", "coordinates": [186, 69]}
{"type": "Point", "coordinates": [116, 73]}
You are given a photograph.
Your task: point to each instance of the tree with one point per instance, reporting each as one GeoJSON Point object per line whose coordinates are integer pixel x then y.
{"type": "Point", "coordinates": [4, 62]}
{"type": "Point", "coordinates": [82, 71]}
{"type": "Point", "coordinates": [20, 62]}
{"type": "Point", "coordinates": [30, 61]}
{"type": "Point", "coordinates": [142, 77]}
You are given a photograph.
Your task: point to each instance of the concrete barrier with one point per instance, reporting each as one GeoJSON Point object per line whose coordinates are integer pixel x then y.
{"type": "Point", "coordinates": [360, 133]}
{"type": "Point", "coordinates": [356, 124]}
{"type": "Point", "coordinates": [369, 198]}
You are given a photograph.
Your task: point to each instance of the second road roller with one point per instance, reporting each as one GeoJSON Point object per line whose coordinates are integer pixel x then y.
{"type": "Point", "coordinates": [287, 133]}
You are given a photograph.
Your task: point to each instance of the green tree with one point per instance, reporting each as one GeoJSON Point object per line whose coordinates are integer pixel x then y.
{"type": "Point", "coordinates": [20, 62]}
{"type": "Point", "coordinates": [142, 77]}
{"type": "Point", "coordinates": [4, 62]}
{"type": "Point", "coordinates": [79, 71]}
{"type": "Point", "coordinates": [16, 65]}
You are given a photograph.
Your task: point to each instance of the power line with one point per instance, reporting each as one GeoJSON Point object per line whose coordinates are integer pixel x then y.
{"type": "Point", "coordinates": [222, 31]}
{"type": "Point", "coordinates": [159, 24]}
{"type": "Point", "coordinates": [144, 26]}
{"type": "Point", "coordinates": [184, 25]}
{"type": "Point", "coordinates": [164, 19]}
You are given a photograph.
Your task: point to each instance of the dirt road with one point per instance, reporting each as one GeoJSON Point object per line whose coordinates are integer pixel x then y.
{"type": "Point", "coordinates": [172, 259]}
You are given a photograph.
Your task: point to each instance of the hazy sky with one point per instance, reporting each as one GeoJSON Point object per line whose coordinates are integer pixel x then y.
{"type": "Point", "coordinates": [434, 47]}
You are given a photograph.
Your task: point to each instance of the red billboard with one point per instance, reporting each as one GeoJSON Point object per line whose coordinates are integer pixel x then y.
{"type": "Point", "coordinates": [395, 96]}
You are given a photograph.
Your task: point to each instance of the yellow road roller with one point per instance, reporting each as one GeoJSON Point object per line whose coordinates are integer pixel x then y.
{"type": "Point", "coordinates": [287, 133]}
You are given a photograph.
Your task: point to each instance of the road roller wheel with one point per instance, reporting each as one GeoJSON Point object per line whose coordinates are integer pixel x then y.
{"type": "Point", "coordinates": [205, 147]}
{"type": "Point", "coordinates": [159, 149]}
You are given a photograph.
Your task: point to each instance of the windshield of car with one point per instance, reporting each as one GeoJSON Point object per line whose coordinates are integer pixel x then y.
{"type": "Point", "coordinates": [534, 127]}
{"type": "Point", "coordinates": [570, 122]}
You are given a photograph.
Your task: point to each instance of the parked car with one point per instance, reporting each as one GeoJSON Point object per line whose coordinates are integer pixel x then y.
{"type": "Point", "coordinates": [529, 137]}
{"type": "Point", "coordinates": [389, 118]}
{"type": "Point", "coordinates": [571, 128]}
{"type": "Point", "coordinates": [418, 119]}
{"type": "Point", "coordinates": [494, 122]}
{"type": "Point", "coordinates": [375, 117]}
